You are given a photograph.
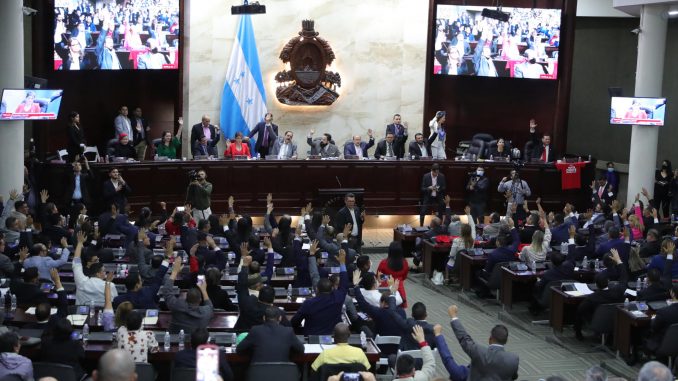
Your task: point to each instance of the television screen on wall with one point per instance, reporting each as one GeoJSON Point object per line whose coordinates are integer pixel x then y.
{"type": "Point", "coordinates": [491, 42]}
{"type": "Point", "coordinates": [638, 111]}
{"type": "Point", "coordinates": [30, 104]}
{"type": "Point", "coordinates": [116, 34]}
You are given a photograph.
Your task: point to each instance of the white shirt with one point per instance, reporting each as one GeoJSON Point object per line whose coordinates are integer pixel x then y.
{"type": "Point", "coordinates": [354, 232]}
{"type": "Point", "coordinates": [434, 182]}
{"type": "Point", "coordinates": [424, 151]}
{"type": "Point", "coordinates": [373, 297]}
{"type": "Point", "coordinates": [283, 151]}
{"type": "Point", "coordinates": [358, 151]}
{"type": "Point", "coordinates": [89, 288]}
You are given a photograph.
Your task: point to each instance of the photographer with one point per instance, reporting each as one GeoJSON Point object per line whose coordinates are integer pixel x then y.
{"type": "Point", "coordinates": [477, 193]}
{"type": "Point", "coordinates": [515, 190]}
{"type": "Point", "coordinates": [198, 195]}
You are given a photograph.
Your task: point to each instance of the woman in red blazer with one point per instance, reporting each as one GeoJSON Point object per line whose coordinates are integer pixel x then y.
{"type": "Point", "coordinates": [396, 266]}
{"type": "Point", "coordinates": [238, 148]}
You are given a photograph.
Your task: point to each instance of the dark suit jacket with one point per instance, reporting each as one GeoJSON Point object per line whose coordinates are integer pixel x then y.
{"type": "Point", "coordinates": [563, 272]}
{"type": "Point", "coordinates": [381, 149]}
{"type": "Point", "coordinates": [415, 150]}
{"type": "Point", "coordinates": [613, 294]}
{"type": "Point", "coordinates": [487, 362]}
{"type": "Point", "coordinates": [322, 313]}
{"type": "Point", "coordinates": [210, 148]}
{"type": "Point", "coordinates": [665, 317]}
{"type": "Point", "coordinates": [86, 177]}
{"type": "Point", "coordinates": [343, 217]}
{"type": "Point", "coordinates": [137, 135]}
{"type": "Point", "coordinates": [349, 149]}
{"type": "Point", "coordinates": [220, 298]}
{"type": "Point", "coordinates": [111, 195]}
{"type": "Point", "coordinates": [526, 234]}
{"type": "Point", "coordinates": [538, 149]}
{"type": "Point", "coordinates": [270, 342]}
{"type": "Point", "coordinates": [75, 138]}
{"type": "Point", "coordinates": [126, 150]}
{"type": "Point", "coordinates": [251, 310]}
{"type": "Point", "coordinates": [196, 132]}
{"type": "Point", "coordinates": [27, 294]}
{"type": "Point", "coordinates": [384, 322]}
{"type": "Point", "coordinates": [400, 138]}
{"type": "Point", "coordinates": [427, 181]}
{"type": "Point", "coordinates": [259, 131]}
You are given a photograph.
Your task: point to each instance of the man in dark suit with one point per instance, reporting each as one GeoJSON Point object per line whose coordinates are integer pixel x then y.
{"type": "Point", "coordinates": [665, 317]}
{"type": "Point", "coordinates": [204, 147]}
{"type": "Point", "coordinates": [433, 187]}
{"type": "Point", "coordinates": [541, 150]}
{"type": "Point", "coordinates": [603, 294]}
{"type": "Point", "coordinates": [487, 363]}
{"type": "Point", "coordinates": [359, 148]}
{"type": "Point", "coordinates": [210, 131]}
{"type": "Point", "coordinates": [420, 146]}
{"type": "Point", "coordinates": [252, 308]}
{"type": "Point", "coordinates": [354, 215]}
{"type": "Point", "coordinates": [27, 290]}
{"type": "Point", "coordinates": [186, 358]}
{"type": "Point", "coordinates": [560, 270]}
{"type": "Point", "coordinates": [267, 133]}
{"type": "Point", "coordinates": [387, 148]}
{"type": "Point", "coordinates": [418, 318]}
{"type": "Point", "coordinates": [116, 190]}
{"type": "Point", "coordinates": [384, 323]}
{"type": "Point", "coordinates": [113, 222]}
{"type": "Point", "coordinates": [140, 133]}
{"type": "Point", "coordinates": [270, 342]}
{"type": "Point", "coordinates": [657, 288]}
{"type": "Point", "coordinates": [399, 132]}
{"type": "Point", "coordinates": [77, 185]}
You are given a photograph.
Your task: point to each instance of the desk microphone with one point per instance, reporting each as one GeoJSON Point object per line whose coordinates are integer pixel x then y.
{"type": "Point", "coordinates": [338, 182]}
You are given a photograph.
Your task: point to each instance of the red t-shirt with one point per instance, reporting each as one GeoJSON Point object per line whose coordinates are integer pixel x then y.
{"type": "Point", "coordinates": [570, 174]}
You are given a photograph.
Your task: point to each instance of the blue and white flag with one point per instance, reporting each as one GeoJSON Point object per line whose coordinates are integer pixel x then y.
{"type": "Point", "coordinates": [243, 102]}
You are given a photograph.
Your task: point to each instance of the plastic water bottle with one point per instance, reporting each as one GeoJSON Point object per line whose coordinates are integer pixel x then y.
{"type": "Point", "coordinates": [645, 283]}
{"type": "Point", "coordinates": [13, 305]}
{"type": "Point", "coordinates": [167, 342]}
{"type": "Point", "coordinates": [100, 318]}
{"type": "Point", "coordinates": [85, 334]}
{"type": "Point", "coordinates": [121, 252]}
{"type": "Point", "coordinates": [312, 292]}
{"type": "Point", "coordinates": [639, 285]}
{"type": "Point", "coordinates": [491, 158]}
{"type": "Point", "coordinates": [533, 266]}
{"type": "Point", "coordinates": [258, 156]}
{"type": "Point", "coordinates": [118, 269]}
{"type": "Point", "coordinates": [91, 312]}
{"type": "Point", "coordinates": [585, 263]}
{"type": "Point", "coordinates": [596, 265]}
{"type": "Point", "coordinates": [289, 292]}
{"type": "Point", "coordinates": [234, 338]}
{"type": "Point", "coordinates": [363, 340]}
{"type": "Point", "coordinates": [564, 248]}
{"type": "Point", "coordinates": [181, 339]}
{"type": "Point", "coordinates": [626, 303]}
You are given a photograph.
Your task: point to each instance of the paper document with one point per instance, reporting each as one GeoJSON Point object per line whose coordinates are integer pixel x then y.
{"type": "Point", "coordinates": [580, 289]}
{"type": "Point", "coordinates": [31, 311]}
{"type": "Point", "coordinates": [631, 292]}
{"type": "Point", "coordinates": [312, 348]}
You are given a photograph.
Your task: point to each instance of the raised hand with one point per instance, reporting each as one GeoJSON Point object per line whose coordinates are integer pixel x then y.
{"type": "Point", "coordinates": [467, 210]}
{"type": "Point", "coordinates": [269, 198]}
{"type": "Point", "coordinates": [533, 124]}
{"type": "Point", "coordinates": [369, 132]}
{"type": "Point", "coordinates": [63, 242]}
{"type": "Point", "coordinates": [356, 277]}
{"type": "Point", "coordinates": [267, 243]}
{"type": "Point", "coordinates": [275, 232]}
{"type": "Point", "coordinates": [246, 261]}
{"type": "Point", "coordinates": [347, 230]}
{"type": "Point", "coordinates": [326, 219]}
{"type": "Point", "coordinates": [437, 329]}
{"type": "Point", "coordinates": [244, 249]}
{"type": "Point", "coordinates": [615, 256]}
{"type": "Point", "coordinates": [23, 254]}
{"type": "Point", "coordinates": [447, 200]}
{"type": "Point", "coordinates": [418, 334]}
{"type": "Point", "coordinates": [81, 237]}
{"type": "Point", "coordinates": [572, 230]}
{"type": "Point", "coordinates": [452, 311]}
{"type": "Point", "coordinates": [176, 266]}
{"type": "Point", "coordinates": [269, 208]}
{"type": "Point", "coordinates": [44, 195]}
{"type": "Point", "coordinates": [342, 257]}
{"type": "Point", "coordinates": [314, 247]}
{"type": "Point", "coordinates": [309, 208]}
{"type": "Point", "coordinates": [231, 201]}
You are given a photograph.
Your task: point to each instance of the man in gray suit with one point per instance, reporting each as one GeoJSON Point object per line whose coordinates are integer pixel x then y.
{"type": "Point", "coordinates": [487, 363]}
{"type": "Point", "coordinates": [323, 147]}
{"type": "Point", "coordinates": [284, 147]}
{"type": "Point", "coordinates": [122, 124]}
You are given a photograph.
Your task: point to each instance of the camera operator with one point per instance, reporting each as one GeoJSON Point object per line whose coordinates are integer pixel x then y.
{"type": "Point", "coordinates": [477, 193]}
{"type": "Point", "coordinates": [199, 194]}
{"type": "Point", "coordinates": [515, 190]}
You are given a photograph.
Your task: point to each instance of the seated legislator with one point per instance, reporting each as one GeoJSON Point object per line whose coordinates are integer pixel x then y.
{"type": "Point", "coordinates": [169, 145]}
{"type": "Point", "coordinates": [123, 148]}
{"type": "Point", "coordinates": [89, 289]}
{"type": "Point", "coordinates": [420, 146]}
{"type": "Point", "coordinates": [500, 151]}
{"type": "Point", "coordinates": [387, 148]}
{"type": "Point", "coordinates": [322, 313]}
{"type": "Point", "coordinates": [359, 148]}
{"type": "Point", "coordinates": [323, 147]}
{"type": "Point", "coordinates": [204, 147]}
{"type": "Point", "coordinates": [187, 314]}
{"type": "Point", "coordinates": [341, 352]}
{"type": "Point", "coordinates": [237, 148]}
{"type": "Point", "coordinates": [270, 341]}
{"type": "Point", "coordinates": [284, 147]}
{"type": "Point", "coordinates": [541, 150]}
{"type": "Point", "coordinates": [186, 358]}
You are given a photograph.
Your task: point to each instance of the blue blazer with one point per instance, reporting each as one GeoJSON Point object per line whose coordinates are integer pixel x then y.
{"type": "Point", "coordinates": [349, 149]}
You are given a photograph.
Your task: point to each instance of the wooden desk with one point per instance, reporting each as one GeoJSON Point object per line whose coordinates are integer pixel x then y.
{"type": "Point", "coordinates": [407, 239]}
{"type": "Point", "coordinates": [434, 256]}
{"type": "Point", "coordinates": [526, 279]}
{"type": "Point", "coordinates": [468, 265]}
{"type": "Point", "coordinates": [563, 308]}
{"type": "Point", "coordinates": [624, 326]}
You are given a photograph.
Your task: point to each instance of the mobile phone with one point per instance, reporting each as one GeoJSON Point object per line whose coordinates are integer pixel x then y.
{"type": "Point", "coordinates": [181, 208]}
{"type": "Point", "coordinates": [201, 279]}
{"type": "Point", "coordinates": [207, 363]}
{"type": "Point", "coordinates": [351, 376]}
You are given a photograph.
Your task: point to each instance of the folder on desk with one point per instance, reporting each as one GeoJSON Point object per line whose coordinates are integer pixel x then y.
{"type": "Point", "coordinates": [151, 317]}
{"type": "Point", "coordinates": [576, 289]}
{"type": "Point", "coordinates": [77, 319]}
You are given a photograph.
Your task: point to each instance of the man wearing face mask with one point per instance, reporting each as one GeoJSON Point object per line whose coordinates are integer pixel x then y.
{"type": "Point", "coordinates": [477, 193]}
{"type": "Point", "coordinates": [612, 177]}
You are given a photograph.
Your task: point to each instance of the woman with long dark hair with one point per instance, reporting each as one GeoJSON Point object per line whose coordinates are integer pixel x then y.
{"type": "Point", "coordinates": [76, 138]}
{"type": "Point", "coordinates": [662, 188]}
{"type": "Point", "coordinates": [396, 266]}
{"type": "Point", "coordinates": [59, 347]}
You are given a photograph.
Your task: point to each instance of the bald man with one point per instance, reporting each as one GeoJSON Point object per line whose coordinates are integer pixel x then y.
{"type": "Point", "coordinates": [359, 148]}
{"type": "Point", "coordinates": [341, 353]}
{"type": "Point", "coordinates": [210, 131]}
{"type": "Point", "coordinates": [115, 365]}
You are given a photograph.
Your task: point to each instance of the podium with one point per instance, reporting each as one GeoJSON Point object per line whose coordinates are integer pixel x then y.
{"type": "Point", "coordinates": [330, 200]}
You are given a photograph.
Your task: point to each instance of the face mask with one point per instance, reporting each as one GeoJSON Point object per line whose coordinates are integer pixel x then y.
{"type": "Point", "coordinates": [610, 170]}
{"type": "Point", "coordinates": [479, 173]}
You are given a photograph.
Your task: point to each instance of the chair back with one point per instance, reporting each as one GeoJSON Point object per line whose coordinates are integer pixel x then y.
{"type": "Point", "coordinates": [110, 146]}
{"type": "Point", "coordinates": [145, 371]}
{"type": "Point", "coordinates": [603, 318]}
{"type": "Point", "coordinates": [477, 147]}
{"type": "Point", "coordinates": [91, 150]}
{"type": "Point", "coordinates": [327, 370]}
{"type": "Point", "coordinates": [417, 355]}
{"type": "Point", "coordinates": [62, 154]}
{"type": "Point", "coordinates": [669, 345]}
{"type": "Point", "coordinates": [483, 136]}
{"type": "Point", "coordinates": [48, 369]}
{"type": "Point", "coordinates": [388, 345]}
{"type": "Point", "coordinates": [494, 280]}
{"type": "Point", "coordinates": [545, 297]}
{"type": "Point", "coordinates": [279, 371]}
{"type": "Point", "coordinates": [182, 374]}
{"type": "Point", "coordinates": [527, 152]}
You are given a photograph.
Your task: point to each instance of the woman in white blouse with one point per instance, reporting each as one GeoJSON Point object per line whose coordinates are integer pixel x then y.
{"type": "Point", "coordinates": [135, 340]}
{"type": "Point", "coordinates": [464, 242]}
{"type": "Point", "coordinates": [537, 250]}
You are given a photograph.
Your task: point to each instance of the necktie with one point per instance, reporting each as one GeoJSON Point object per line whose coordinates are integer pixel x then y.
{"type": "Point", "coordinates": [389, 150]}
{"type": "Point", "coordinates": [204, 149]}
{"type": "Point", "coordinates": [543, 154]}
{"type": "Point", "coordinates": [397, 129]}
{"type": "Point", "coordinates": [265, 142]}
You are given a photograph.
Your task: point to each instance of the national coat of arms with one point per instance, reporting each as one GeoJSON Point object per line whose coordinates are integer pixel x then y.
{"type": "Point", "coordinates": [307, 82]}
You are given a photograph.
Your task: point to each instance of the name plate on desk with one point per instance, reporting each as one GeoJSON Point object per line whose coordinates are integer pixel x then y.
{"type": "Point", "coordinates": [314, 157]}
{"type": "Point", "coordinates": [389, 158]}
{"type": "Point", "coordinates": [351, 157]}
{"type": "Point", "coordinates": [240, 157]}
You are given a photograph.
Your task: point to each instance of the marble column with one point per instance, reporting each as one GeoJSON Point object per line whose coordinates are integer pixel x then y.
{"type": "Point", "coordinates": [11, 76]}
{"type": "Point", "coordinates": [649, 76]}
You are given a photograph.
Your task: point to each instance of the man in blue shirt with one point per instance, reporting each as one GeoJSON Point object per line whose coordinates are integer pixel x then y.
{"type": "Point", "coordinates": [323, 312]}
{"type": "Point", "coordinates": [43, 262]}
